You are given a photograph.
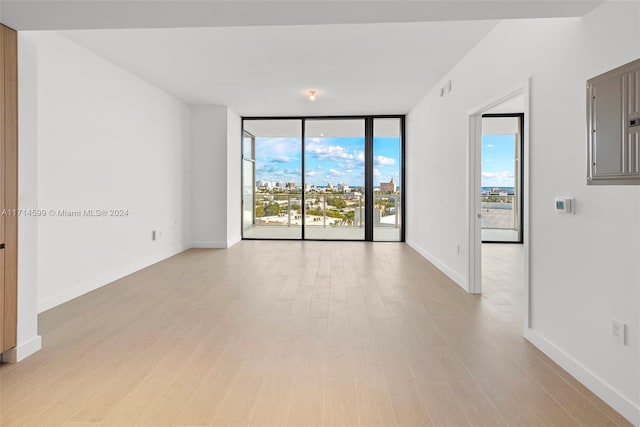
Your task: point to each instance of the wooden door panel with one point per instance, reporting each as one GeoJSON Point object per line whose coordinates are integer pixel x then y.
{"type": "Point", "coordinates": [8, 187]}
{"type": "Point", "coordinates": [4, 344]}
{"type": "Point", "coordinates": [11, 187]}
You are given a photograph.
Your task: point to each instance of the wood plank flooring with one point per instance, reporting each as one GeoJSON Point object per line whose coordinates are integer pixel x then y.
{"type": "Point", "coordinates": [295, 333]}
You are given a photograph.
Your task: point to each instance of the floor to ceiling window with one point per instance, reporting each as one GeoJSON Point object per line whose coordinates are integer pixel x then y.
{"type": "Point", "coordinates": [316, 178]}
{"type": "Point", "coordinates": [334, 179]}
{"type": "Point", "coordinates": [387, 179]}
{"type": "Point", "coordinates": [501, 192]}
{"type": "Point", "coordinates": [272, 179]}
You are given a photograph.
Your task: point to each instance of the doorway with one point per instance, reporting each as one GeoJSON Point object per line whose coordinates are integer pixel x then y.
{"type": "Point", "coordinates": [507, 259]}
{"type": "Point", "coordinates": [501, 205]}
{"type": "Point", "coordinates": [323, 178]}
{"type": "Point", "coordinates": [505, 263]}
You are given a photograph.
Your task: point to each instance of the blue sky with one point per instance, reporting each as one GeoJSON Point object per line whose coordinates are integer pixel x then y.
{"type": "Point", "coordinates": [498, 154]}
{"type": "Point", "coordinates": [328, 160]}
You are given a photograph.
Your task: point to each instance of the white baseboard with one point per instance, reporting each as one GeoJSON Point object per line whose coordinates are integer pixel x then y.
{"type": "Point", "coordinates": [103, 280]}
{"type": "Point", "coordinates": [209, 245]}
{"type": "Point", "coordinates": [22, 351]}
{"type": "Point", "coordinates": [233, 240]}
{"type": "Point", "coordinates": [96, 283]}
{"type": "Point", "coordinates": [604, 391]}
{"type": "Point", "coordinates": [457, 279]}
{"type": "Point", "coordinates": [216, 245]}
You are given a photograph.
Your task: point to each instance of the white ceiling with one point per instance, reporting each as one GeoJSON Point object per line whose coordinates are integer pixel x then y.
{"type": "Point", "coordinates": [356, 69]}
{"type": "Point", "coordinates": [93, 14]}
{"type": "Point", "coordinates": [260, 56]}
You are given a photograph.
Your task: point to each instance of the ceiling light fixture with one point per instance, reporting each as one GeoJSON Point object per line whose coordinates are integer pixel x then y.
{"type": "Point", "coordinates": [312, 95]}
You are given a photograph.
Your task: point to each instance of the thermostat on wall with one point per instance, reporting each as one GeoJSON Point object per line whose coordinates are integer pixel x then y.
{"type": "Point", "coordinates": [564, 205]}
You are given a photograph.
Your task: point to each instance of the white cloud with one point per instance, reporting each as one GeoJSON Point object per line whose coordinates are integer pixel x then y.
{"type": "Point", "coordinates": [278, 150]}
{"type": "Point", "coordinates": [497, 179]}
{"type": "Point", "coordinates": [281, 159]}
{"type": "Point", "coordinates": [333, 152]}
{"type": "Point", "coordinates": [384, 161]}
{"type": "Point", "coordinates": [376, 172]}
{"type": "Point", "coordinates": [311, 173]}
{"type": "Point", "coordinates": [344, 158]}
{"type": "Point", "coordinates": [501, 174]}
{"type": "Point", "coordinates": [335, 172]}
{"type": "Point", "coordinates": [489, 146]}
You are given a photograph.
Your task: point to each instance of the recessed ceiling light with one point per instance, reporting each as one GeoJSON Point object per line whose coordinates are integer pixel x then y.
{"type": "Point", "coordinates": [312, 95]}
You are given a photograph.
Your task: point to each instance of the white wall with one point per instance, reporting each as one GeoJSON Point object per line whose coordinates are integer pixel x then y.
{"type": "Point", "coordinates": [215, 189]}
{"type": "Point", "coordinates": [93, 136]}
{"type": "Point", "coordinates": [106, 140]}
{"type": "Point", "coordinates": [234, 181]}
{"type": "Point", "coordinates": [209, 176]}
{"type": "Point", "coordinates": [584, 268]}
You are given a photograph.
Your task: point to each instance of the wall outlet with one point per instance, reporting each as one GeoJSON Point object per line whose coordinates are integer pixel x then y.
{"type": "Point", "coordinates": [458, 248]}
{"type": "Point", "coordinates": [619, 331]}
{"type": "Point", "coordinates": [156, 235]}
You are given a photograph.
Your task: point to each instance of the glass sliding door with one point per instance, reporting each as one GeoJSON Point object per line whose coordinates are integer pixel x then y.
{"type": "Point", "coordinates": [248, 182]}
{"type": "Point", "coordinates": [334, 164]}
{"type": "Point", "coordinates": [501, 192]}
{"type": "Point", "coordinates": [387, 179]}
{"type": "Point", "coordinates": [276, 180]}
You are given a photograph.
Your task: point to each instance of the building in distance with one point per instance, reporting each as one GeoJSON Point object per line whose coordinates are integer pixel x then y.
{"type": "Point", "coordinates": [388, 187]}
{"type": "Point", "coordinates": [344, 188]}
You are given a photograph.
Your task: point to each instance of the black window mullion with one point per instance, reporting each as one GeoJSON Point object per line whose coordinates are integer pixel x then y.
{"type": "Point", "coordinates": [303, 171]}
{"type": "Point", "coordinates": [368, 179]}
{"type": "Point", "coordinates": [403, 180]}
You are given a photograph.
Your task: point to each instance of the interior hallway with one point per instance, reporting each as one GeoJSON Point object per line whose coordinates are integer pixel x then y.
{"type": "Point", "coordinates": [293, 333]}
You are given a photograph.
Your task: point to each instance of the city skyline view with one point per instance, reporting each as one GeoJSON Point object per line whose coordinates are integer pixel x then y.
{"type": "Point", "coordinates": [328, 160]}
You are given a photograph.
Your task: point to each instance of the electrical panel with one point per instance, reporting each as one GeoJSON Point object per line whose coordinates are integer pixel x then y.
{"type": "Point", "coordinates": [613, 126]}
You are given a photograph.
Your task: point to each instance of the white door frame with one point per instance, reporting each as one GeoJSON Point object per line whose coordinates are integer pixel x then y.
{"type": "Point", "coordinates": [474, 170]}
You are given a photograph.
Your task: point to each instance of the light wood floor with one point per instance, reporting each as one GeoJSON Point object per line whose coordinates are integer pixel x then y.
{"type": "Point", "coordinates": [293, 333]}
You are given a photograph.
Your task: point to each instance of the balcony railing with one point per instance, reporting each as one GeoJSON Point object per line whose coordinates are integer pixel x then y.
{"type": "Point", "coordinates": [324, 210]}
{"type": "Point", "coordinates": [499, 212]}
